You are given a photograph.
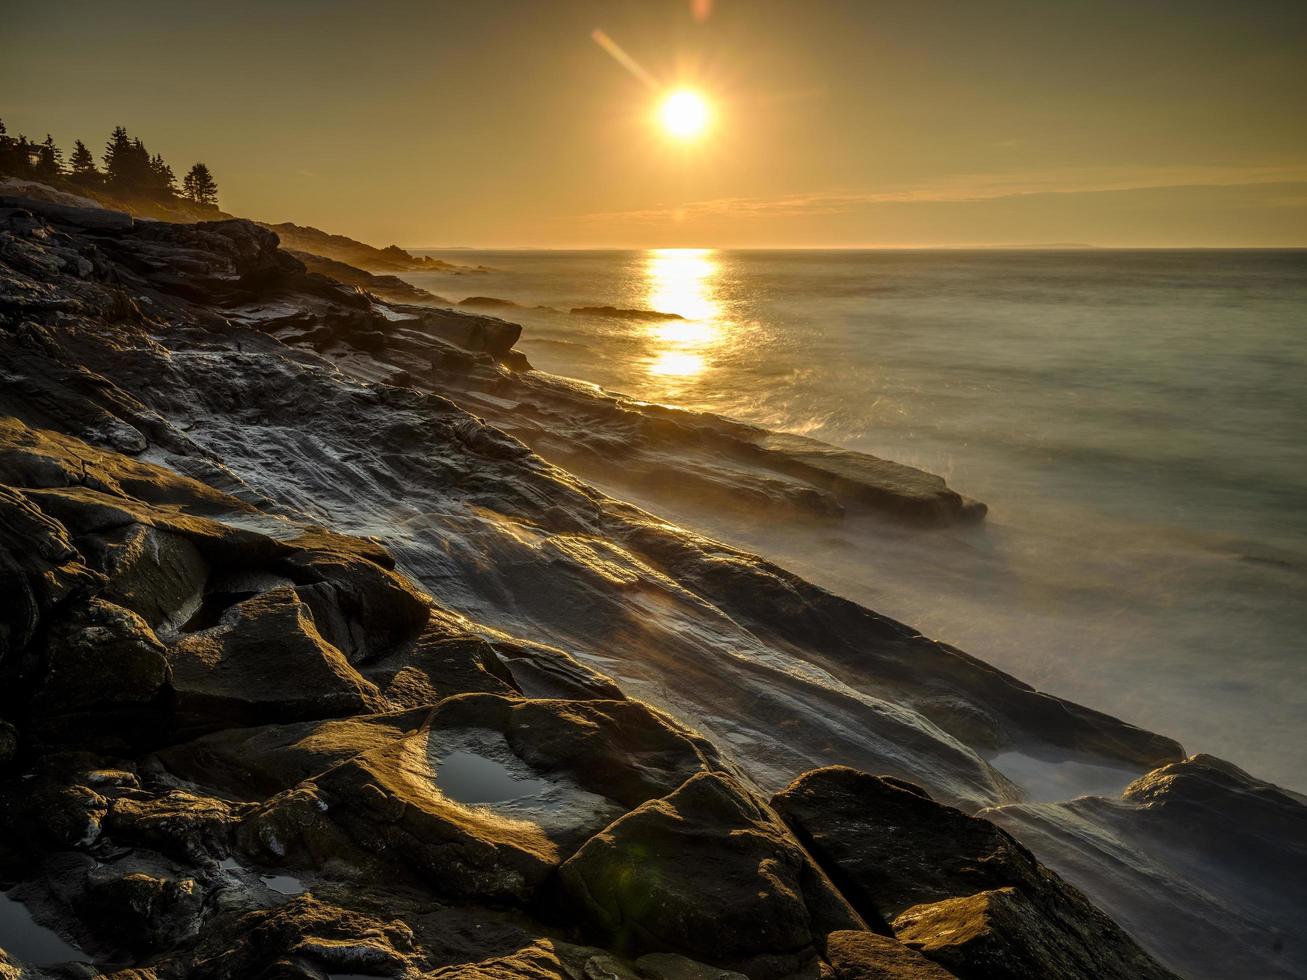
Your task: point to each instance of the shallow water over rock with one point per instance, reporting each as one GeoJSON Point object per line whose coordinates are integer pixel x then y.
{"type": "Point", "coordinates": [467, 777]}
{"type": "Point", "coordinates": [23, 937]}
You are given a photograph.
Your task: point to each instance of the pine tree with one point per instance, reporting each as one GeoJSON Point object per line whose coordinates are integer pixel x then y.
{"type": "Point", "coordinates": [83, 164]}
{"type": "Point", "coordinates": [50, 160]}
{"type": "Point", "coordinates": [117, 157]}
{"type": "Point", "coordinates": [140, 176]}
{"type": "Point", "coordinates": [8, 152]}
{"type": "Point", "coordinates": [23, 153]}
{"type": "Point", "coordinates": [200, 187]}
{"type": "Point", "coordinates": [165, 181]}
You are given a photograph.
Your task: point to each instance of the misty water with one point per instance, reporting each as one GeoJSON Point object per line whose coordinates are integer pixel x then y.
{"type": "Point", "coordinates": [1134, 420]}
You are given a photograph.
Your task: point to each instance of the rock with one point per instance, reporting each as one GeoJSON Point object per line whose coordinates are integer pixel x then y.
{"type": "Point", "coordinates": [260, 762]}
{"type": "Point", "coordinates": [868, 956]}
{"type": "Point", "coordinates": [304, 934]}
{"type": "Point", "coordinates": [953, 886]}
{"type": "Point", "coordinates": [709, 873]}
{"type": "Point", "coordinates": [1205, 862]}
{"type": "Point", "coordinates": [358, 606]}
{"type": "Point", "coordinates": [671, 966]}
{"type": "Point", "coordinates": [624, 314]}
{"type": "Point", "coordinates": [155, 573]}
{"type": "Point", "coordinates": [224, 676]}
{"type": "Point", "coordinates": [142, 909]}
{"type": "Point", "coordinates": [486, 799]}
{"type": "Point", "coordinates": [182, 825]}
{"type": "Point", "coordinates": [105, 676]}
{"type": "Point", "coordinates": [388, 288]}
{"type": "Point", "coordinates": [8, 743]}
{"type": "Point", "coordinates": [39, 567]}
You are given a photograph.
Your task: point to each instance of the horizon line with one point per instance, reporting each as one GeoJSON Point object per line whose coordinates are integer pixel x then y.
{"type": "Point", "coordinates": [994, 247]}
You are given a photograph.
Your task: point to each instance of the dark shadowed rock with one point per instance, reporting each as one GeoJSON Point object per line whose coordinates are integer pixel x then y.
{"type": "Point", "coordinates": [225, 675]}
{"type": "Point", "coordinates": [710, 873]}
{"type": "Point", "coordinates": [105, 676]}
{"type": "Point", "coordinates": [306, 935]}
{"type": "Point", "coordinates": [392, 289]}
{"type": "Point", "coordinates": [937, 875]}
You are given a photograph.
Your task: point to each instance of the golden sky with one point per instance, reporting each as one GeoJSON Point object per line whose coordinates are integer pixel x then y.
{"type": "Point", "coordinates": [833, 123]}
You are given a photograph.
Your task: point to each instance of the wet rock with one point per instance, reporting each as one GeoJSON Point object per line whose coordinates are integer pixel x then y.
{"type": "Point", "coordinates": [156, 574]}
{"type": "Point", "coordinates": [304, 934]}
{"type": "Point", "coordinates": [226, 676]}
{"type": "Point", "coordinates": [868, 956]}
{"type": "Point", "coordinates": [260, 762]}
{"type": "Point", "coordinates": [182, 825]}
{"type": "Point", "coordinates": [105, 675]}
{"type": "Point", "coordinates": [141, 908]}
{"type": "Point", "coordinates": [937, 875]}
{"type": "Point", "coordinates": [487, 798]}
{"type": "Point", "coordinates": [360, 607]}
{"type": "Point", "coordinates": [39, 567]}
{"type": "Point", "coordinates": [671, 966]}
{"type": "Point", "coordinates": [389, 288]}
{"type": "Point", "coordinates": [1205, 862]}
{"type": "Point", "coordinates": [709, 873]}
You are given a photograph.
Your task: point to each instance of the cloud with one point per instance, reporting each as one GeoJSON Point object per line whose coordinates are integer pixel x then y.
{"type": "Point", "coordinates": [962, 188]}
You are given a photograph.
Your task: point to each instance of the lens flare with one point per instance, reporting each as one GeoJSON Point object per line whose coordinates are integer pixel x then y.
{"type": "Point", "coordinates": [684, 114]}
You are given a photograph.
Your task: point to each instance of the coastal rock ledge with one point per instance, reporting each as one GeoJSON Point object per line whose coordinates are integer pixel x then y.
{"type": "Point", "coordinates": [310, 672]}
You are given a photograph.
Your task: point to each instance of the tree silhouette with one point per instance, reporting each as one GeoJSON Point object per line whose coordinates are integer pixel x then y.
{"type": "Point", "coordinates": [117, 157]}
{"type": "Point", "coordinates": [9, 161]}
{"type": "Point", "coordinates": [200, 187]}
{"type": "Point", "coordinates": [82, 164]}
{"type": "Point", "coordinates": [165, 182]}
{"type": "Point", "coordinates": [50, 160]}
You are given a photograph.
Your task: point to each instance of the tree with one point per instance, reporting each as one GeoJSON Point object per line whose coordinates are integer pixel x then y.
{"type": "Point", "coordinates": [117, 157]}
{"type": "Point", "coordinates": [165, 181]}
{"type": "Point", "coordinates": [9, 163]}
{"type": "Point", "coordinates": [83, 164]}
{"type": "Point", "coordinates": [200, 187]}
{"type": "Point", "coordinates": [50, 160]}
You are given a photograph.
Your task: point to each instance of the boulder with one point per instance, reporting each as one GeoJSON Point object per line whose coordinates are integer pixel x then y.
{"type": "Point", "coordinates": [929, 869]}
{"type": "Point", "coordinates": [155, 573]}
{"type": "Point", "coordinates": [265, 661]}
{"type": "Point", "coordinates": [105, 676]}
{"type": "Point", "coordinates": [305, 938]}
{"type": "Point", "coordinates": [262, 761]}
{"type": "Point", "coordinates": [183, 825]}
{"type": "Point", "coordinates": [710, 873]}
{"type": "Point", "coordinates": [39, 567]}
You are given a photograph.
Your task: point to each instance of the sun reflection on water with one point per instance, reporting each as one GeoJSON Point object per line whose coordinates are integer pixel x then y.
{"type": "Point", "coordinates": [681, 281]}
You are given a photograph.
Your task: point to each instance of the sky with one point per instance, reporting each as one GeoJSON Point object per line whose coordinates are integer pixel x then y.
{"type": "Point", "coordinates": [834, 124]}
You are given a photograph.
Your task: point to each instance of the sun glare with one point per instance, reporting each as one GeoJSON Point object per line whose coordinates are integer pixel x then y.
{"type": "Point", "coordinates": [684, 114]}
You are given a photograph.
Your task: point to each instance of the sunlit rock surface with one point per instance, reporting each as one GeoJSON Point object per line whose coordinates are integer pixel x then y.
{"type": "Point", "coordinates": [341, 679]}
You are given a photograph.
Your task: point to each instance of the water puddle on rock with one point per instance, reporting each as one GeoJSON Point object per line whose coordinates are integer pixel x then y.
{"type": "Point", "coordinates": [282, 884]}
{"type": "Point", "coordinates": [470, 778]}
{"type": "Point", "coordinates": [25, 939]}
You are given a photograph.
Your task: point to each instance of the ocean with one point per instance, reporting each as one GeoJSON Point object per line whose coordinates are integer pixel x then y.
{"type": "Point", "coordinates": [1134, 420]}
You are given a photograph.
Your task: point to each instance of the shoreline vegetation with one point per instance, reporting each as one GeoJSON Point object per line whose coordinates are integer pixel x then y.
{"type": "Point", "coordinates": [322, 659]}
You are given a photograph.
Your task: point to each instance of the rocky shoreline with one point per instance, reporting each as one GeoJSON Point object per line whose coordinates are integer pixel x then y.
{"type": "Point", "coordinates": [319, 663]}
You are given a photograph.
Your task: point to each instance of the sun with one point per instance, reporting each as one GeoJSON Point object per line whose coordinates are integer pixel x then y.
{"type": "Point", "coordinates": [684, 114]}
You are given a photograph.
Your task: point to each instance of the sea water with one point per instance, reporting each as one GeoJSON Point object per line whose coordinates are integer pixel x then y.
{"type": "Point", "coordinates": [1134, 419]}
